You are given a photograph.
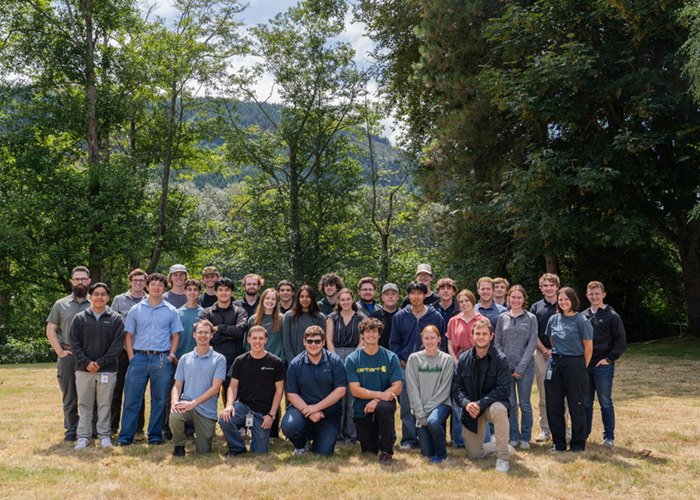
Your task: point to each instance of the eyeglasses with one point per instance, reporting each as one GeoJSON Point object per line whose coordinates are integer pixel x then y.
{"type": "Point", "coordinates": [80, 280]}
{"type": "Point", "coordinates": [367, 290]}
{"type": "Point", "coordinates": [314, 341]}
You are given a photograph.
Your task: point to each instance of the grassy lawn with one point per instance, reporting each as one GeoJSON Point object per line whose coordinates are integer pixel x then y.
{"type": "Point", "coordinates": [657, 404]}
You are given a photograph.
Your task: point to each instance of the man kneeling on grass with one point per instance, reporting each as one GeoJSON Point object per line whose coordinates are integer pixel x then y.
{"type": "Point", "coordinates": [481, 388]}
{"type": "Point", "coordinates": [374, 376]}
{"type": "Point", "coordinates": [315, 387]}
{"type": "Point", "coordinates": [257, 386]}
{"type": "Point", "coordinates": [198, 379]}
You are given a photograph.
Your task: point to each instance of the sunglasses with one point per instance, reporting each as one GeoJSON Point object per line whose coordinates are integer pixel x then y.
{"type": "Point", "coordinates": [314, 341]}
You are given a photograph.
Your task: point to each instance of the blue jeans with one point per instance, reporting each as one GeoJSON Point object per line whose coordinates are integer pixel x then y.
{"type": "Point", "coordinates": [524, 389]}
{"type": "Point", "coordinates": [600, 380]}
{"type": "Point", "coordinates": [142, 368]}
{"type": "Point", "coordinates": [432, 436]}
{"type": "Point", "coordinates": [260, 438]}
{"type": "Point", "coordinates": [408, 421]}
{"type": "Point", "coordinates": [300, 429]}
{"type": "Point", "coordinates": [457, 439]}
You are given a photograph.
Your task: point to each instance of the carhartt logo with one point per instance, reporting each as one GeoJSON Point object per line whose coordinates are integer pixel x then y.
{"type": "Point", "coordinates": [371, 369]}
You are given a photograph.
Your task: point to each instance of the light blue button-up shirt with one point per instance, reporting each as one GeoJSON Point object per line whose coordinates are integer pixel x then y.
{"type": "Point", "coordinates": [198, 373]}
{"type": "Point", "coordinates": [491, 313]}
{"type": "Point", "coordinates": [153, 326]}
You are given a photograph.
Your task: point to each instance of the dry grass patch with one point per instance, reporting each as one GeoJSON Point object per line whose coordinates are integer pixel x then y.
{"type": "Point", "coordinates": [657, 401]}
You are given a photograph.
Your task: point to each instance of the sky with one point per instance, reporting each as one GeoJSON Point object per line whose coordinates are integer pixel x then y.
{"type": "Point", "coordinates": [260, 11]}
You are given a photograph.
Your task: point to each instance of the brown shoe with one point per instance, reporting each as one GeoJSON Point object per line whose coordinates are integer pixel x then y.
{"type": "Point", "coordinates": [384, 458]}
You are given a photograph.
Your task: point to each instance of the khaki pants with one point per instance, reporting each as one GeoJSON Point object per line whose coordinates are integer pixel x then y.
{"type": "Point", "coordinates": [540, 372]}
{"type": "Point", "coordinates": [90, 389]}
{"type": "Point", "coordinates": [204, 429]}
{"type": "Point", "coordinates": [497, 414]}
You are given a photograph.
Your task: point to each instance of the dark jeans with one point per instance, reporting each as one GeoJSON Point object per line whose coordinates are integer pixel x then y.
{"type": "Point", "coordinates": [227, 382]}
{"type": "Point", "coordinates": [300, 429]}
{"type": "Point", "coordinates": [375, 432]}
{"type": "Point", "coordinates": [569, 380]}
{"type": "Point", "coordinates": [600, 380]}
{"type": "Point", "coordinates": [122, 366]}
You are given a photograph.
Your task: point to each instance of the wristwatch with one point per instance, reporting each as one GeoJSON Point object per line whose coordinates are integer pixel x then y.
{"type": "Point", "coordinates": [273, 417]}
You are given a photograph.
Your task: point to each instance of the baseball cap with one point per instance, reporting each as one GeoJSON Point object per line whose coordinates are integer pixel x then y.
{"type": "Point", "coordinates": [390, 286]}
{"type": "Point", "coordinates": [424, 268]}
{"type": "Point", "coordinates": [178, 268]}
{"type": "Point", "coordinates": [210, 270]}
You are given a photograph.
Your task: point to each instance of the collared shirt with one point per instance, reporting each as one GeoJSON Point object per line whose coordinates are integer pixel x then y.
{"type": "Point", "coordinates": [448, 313]}
{"type": "Point", "coordinates": [123, 303]}
{"type": "Point", "coordinates": [188, 317]}
{"type": "Point", "coordinates": [62, 314]}
{"type": "Point", "coordinates": [543, 310]}
{"type": "Point", "coordinates": [198, 374]}
{"type": "Point", "coordinates": [153, 326]}
{"type": "Point", "coordinates": [314, 382]}
{"type": "Point", "coordinates": [491, 313]}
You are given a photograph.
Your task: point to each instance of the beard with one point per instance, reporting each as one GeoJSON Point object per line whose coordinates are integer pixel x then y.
{"type": "Point", "coordinates": [80, 291]}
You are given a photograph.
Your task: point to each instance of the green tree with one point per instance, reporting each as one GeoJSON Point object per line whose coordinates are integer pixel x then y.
{"type": "Point", "coordinates": [305, 158]}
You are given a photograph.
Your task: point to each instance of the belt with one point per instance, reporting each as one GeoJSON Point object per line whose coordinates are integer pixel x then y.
{"type": "Point", "coordinates": [152, 352]}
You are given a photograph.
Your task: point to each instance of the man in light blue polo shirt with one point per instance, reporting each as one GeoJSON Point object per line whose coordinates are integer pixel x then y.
{"type": "Point", "coordinates": [200, 373]}
{"type": "Point", "coordinates": [315, 386]}
{"type": "Point", "coordinates": [486, 305]}
{"type": "Point", "coordinates": [153, 329]}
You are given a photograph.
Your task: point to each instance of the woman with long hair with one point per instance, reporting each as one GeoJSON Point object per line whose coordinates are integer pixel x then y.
{"type": "Point", "coordinates": [567, 375]}
{"type": "Point", "coordinates": [343, 338]}
{"type": "Point", "coordinates": [516, 337]}
{"type": "Point", "coordinates": [429, 383]}
{"type": "Point", "coordinates": [303, 314]}
{"type": "Point", "coordinates": [269, 317]}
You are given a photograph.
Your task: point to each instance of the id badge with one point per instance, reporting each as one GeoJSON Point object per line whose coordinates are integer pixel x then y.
{"type": "Point", "coordinates": [105, 378]}
{"type": "Point", "coordinates": [418, 426]}
{"type": "Point", "coordinates": [548, 375]}
{"type": "Point", "coordinates": [249, 420]}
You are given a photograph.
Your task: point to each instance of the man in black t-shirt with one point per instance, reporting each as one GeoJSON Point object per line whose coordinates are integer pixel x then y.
{"type": "Point", "coordinates": [254, 395]}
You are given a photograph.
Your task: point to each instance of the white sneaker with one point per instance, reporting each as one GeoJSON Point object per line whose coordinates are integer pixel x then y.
{"type": "Point", "coordinates": [82, 444]}
{"type": "Point", "coordinates": [406, 447]}
{"type": "Point", "coordinates": [106, 443]}
{"type": "Point", "coordinates": [502, 465]}
{"type": "Point", "coordinates": [514, 444]}
{"type": "Point", "coordinates": [524, 445]}
{"type": "Point", "coordinates": [299, 451]}
{"type": "Point", "coordinates": [544, 436]}
{"type": "Point", "coordinates": [608, 442]}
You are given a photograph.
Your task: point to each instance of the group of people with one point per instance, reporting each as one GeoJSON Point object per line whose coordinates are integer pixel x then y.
{"type": "Point", "coordinates": [340, 365]}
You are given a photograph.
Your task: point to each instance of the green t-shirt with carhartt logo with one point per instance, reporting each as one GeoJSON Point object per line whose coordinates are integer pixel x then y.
{"type": "Point", "coordinates": [375, 373]}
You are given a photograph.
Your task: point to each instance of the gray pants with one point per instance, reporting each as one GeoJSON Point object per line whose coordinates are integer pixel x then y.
{"type": "Point", "coordinates": [204, 427]}
{"type": "Point", "coordinates": [348, 433]}
{"type": "Point", "coordinates": [91, 390]}
{"type": "Point", "coordinates": [65, 371]}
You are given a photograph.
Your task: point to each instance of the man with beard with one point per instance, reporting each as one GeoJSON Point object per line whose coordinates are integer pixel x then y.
{"type": "Point", "coordinates": [251, 284]}
{"type": "Point", "coordinates": [58, 333]}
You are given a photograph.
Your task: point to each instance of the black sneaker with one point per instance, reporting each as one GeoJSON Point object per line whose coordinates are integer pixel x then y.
{"type": "Point", "coordinates": [232, 454]}
{"type": "Point", "coordinates": [179, 451]}
{"type": "Point", "coordinates": [121, 443]}
{"type": "Point", "coordinates": [155, 443]}
{"type": "Point", "coordinates": [167, 435]}
{"type": "Point", "coordinates": [190, 436]}
{"type": "Point", "coordinates": [385, 458]}
{"type": "Point", "coordinates": [70, 439]}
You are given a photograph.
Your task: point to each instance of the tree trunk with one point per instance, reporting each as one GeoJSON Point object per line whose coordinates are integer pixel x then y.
{"type": "Point", "coordinates": [551, 264]}
{"type": "Point", "coordinates": [689, 233]}
{"type": "Point", "coordinates": [165, 187]}
{"type": "Point", "coordinates": [632, 302]}
{"type": "Point", "coordinates": [95, 259]}
{"type": "Point", "coordinates": [295, 226]}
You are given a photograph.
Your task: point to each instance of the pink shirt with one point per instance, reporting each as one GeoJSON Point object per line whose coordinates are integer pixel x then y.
{"type": "Point", "coordinates": [460, 333]}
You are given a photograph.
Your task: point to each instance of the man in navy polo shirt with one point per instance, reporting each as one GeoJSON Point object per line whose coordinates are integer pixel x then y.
{"type": "Point", "coordinates": [315, 386]}
{"type": "Point", "coordinates": [153, 329]}
{"type": "Point", "coordinates": [200, 373]}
